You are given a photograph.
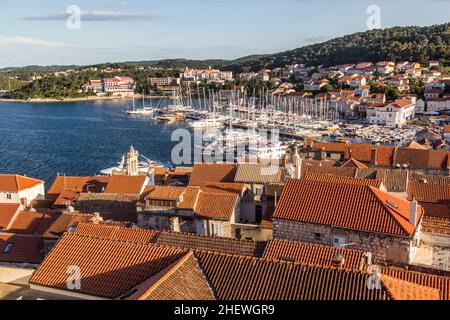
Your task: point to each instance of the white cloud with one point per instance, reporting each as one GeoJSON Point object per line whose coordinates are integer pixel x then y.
{"type": "Point", "coordinates": [94, 15]}
{"type": "Point", "coordinates": [17, 40]}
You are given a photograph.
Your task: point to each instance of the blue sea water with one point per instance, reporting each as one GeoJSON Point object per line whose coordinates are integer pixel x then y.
{"type": "Point", "coordinates": [82, 138]}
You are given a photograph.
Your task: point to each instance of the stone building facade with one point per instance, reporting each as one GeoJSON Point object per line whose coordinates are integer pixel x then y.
{"type": "Point", "coordinates": [383, 247]}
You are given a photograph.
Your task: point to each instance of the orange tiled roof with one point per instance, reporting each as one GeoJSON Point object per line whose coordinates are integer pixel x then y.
{"type": "Point", "coordinates": [438, 210]}
{"type": "Point", "coordinates": [362, 152]}
{"type": "Point", "coordinates": [216, 206]}
{"type": "Point", "coordinates": [353, 163]}
{"type": "Point", "coordinates": [184, 281]}
{"type": "Point", "coordinates": [66, 197]}
{"type": "Point", "coordinates": [429, 178]}
{"type": "Point", "coordinates": [109, 268]}
{"type": "Point", "coordinates": [203, 172]}
{"type": "Point", "coordinates": [77, 185]}
{"type": "Point", "coordinates": [223, 187]}
{"type": "Point", "coordinates": [416, 145]}
{"type": "Point", "coordinates": [7, 212]}
{"type": "Point", "coordinates": [25, 248]}
{"type": "Point", "coordinates": [335, 171]}
{"type": "Point", "coordinates": [258, 173]}
{"type": "Point", "coordinates": [28, 222]}
{"type": "Point", "coordinates": [16, 183]}
{"type": "Point", "coordinates": [164, 192]}
{"type": "Point", "coordinates": [402, 290]}
{"type": "Point", "coordinates": [209, 243]}
{"type": "Point", "coordinates": [246, 278]}
{"type": "Point", "coordinates": [117, 233]}
{"type": "Point", "coordinates": [64, 222]}
{"type": "Point", "coordinates": [126, 184]}
{"type": "Point", "coordinates": [436, 225]}
{"type": "Point", "coordinates": [313, 254]}
{"type": "Point", "coordinates": [417, 159]}
{"type": "Point", "coordinates": [346, 206]}
{"type": "Point", "coordinates": [427, 192]}
{"type": "Point", "coordinates": [425, 279]}
{"type": "Point", "coordinates": [342, 179]}
{"type": "Point", "coordinates": [190, 197]}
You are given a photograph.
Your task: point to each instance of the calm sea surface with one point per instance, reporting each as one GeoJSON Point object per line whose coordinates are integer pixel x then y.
{"type": "Point", "coordinates": [41, 140]}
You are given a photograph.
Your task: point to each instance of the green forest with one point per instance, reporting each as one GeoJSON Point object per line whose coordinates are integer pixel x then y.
{"type": "Point", "coordinates": [399, 43]}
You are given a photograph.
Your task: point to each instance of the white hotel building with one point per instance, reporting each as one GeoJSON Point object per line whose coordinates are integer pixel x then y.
{"type": "Point", "coordinates": [392, 115]}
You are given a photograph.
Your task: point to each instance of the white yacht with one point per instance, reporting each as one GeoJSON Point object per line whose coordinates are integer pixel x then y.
{"type": "Point", "coordinates": [207, 123]}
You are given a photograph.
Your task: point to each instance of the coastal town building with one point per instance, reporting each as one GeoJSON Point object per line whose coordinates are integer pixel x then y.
{"type": "Point", "coordinates": [349, 214]}
{"type": "Point", "coordinates": [169, 273]}
{"type": "Point", "coordinates": [209, 75]}
{"type": "Point", "coordinates": [393, 115]}
{"type": "Point", "coordinates": [166, 81]}
{"type": "Point", "coordinates": [117, 85]}
{"type": "Point", "coordinates": [17, 189]}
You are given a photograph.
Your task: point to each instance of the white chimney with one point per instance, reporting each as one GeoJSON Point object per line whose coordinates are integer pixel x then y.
{"type": "Point", "coordinates": [413, 212]}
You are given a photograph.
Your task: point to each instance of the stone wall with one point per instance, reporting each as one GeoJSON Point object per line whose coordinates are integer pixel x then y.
{"type": "Point", "coordinates": [383, 247]}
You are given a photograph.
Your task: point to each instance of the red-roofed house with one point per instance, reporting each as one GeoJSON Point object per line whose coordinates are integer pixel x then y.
{"type": "Point", "coordinates": [392, 115]}
{"type": "Point", "coordinates": [20, 189]}
{"type": "Point", "coordinates": [358, 216]}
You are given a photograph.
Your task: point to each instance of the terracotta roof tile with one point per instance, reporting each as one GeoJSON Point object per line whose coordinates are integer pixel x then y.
{"type": "Point", "coordinates": [210, 243]}
{"type": "Point", "coordinates": [216, 206]}
{"type": "Point", "coordinates": [436, 225]}
{"type": "Point", "coordinates": [402, 290]}
{"type": "Point", "coordinates": [245, 278]}
{"type": "Point", "coordinates": [431, 179]}
{"type": "Point", "coordinates": [126, 184]}
{"type": "Point", "coordinates": [25, 248]}
{"type": "Point", "coordinates": [190, 197]}
{"type": "Point", "coordinates": [342, 179]}
{"type": "Point", "coordinates": [336, 171]}
{"type": "Point", "coordinates": [223, 187]}
{"type": "Point", "coordinates": [347, 206]}
{"type": "Point", "coordinates": [77, 185]}
{"type": "Point", "coordinates": [183, 281]}
{"type": "Point", "coordinates": [66, 198]}
{"type": "Point", "coordinates": [438, 210]}
{"type": "Point", "coordinates": [109, 268]}
{"type": "Point", "coordinates": [419, 159]}
{"type": "Point", "coordinates": [64, 222]}
{"type": "Point", "coordinates": [362, 152]}
{"type": "Point", "coordinates": [33, 223]}
{"type": "Point", "coordinates": [117, 233]}
{"type": "Point", "coordinates": [164, 192]}
{"type": "Point", "coordinates": [203, 172]}
{"type": "Point", "coordinates": [353, 163]}
{"type": "Point", "coordinates": [7, 212]}
{"type": "Point", "coordinates": [258, 173]}
{"type": "Point", "coordinates": [15, 183]}
{"type": "Point", "coordinates": [438, 282]}
{"type": "Point", "coordinates": [426, 192]}
{"type": "Point", "coordinates": [313, 254]}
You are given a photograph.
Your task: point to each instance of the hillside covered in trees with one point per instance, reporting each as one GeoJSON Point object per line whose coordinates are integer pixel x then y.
{"type": "Point", "coordinates": [399, 43]}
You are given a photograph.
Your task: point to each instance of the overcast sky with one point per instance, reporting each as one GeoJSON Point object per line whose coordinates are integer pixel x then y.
{"type": "Point", "coordinates": [36, 32]}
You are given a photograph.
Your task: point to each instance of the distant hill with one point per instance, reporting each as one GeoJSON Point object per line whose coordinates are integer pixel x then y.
{"type": "Point", "coordinates": [398, 43]}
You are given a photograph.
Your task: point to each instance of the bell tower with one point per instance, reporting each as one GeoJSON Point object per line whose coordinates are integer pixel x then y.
{"type": "Point", "coordinates": [132, 162]}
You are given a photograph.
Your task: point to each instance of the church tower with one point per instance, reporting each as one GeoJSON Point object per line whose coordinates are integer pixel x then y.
{"type": "Point", "coordinates": [132, 162]}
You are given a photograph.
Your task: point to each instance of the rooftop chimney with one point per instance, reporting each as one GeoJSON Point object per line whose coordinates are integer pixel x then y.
{"type": "Point", "coordinates": [413, 211]}
{"type": "Point", "coordinates": [338, 260]}
{"type": "Point", "coordinates": [175, 224]}
{"type": "Point", "coordinates": [373, 156]}
{"type": "Point", "coordinates": [97, 219]}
